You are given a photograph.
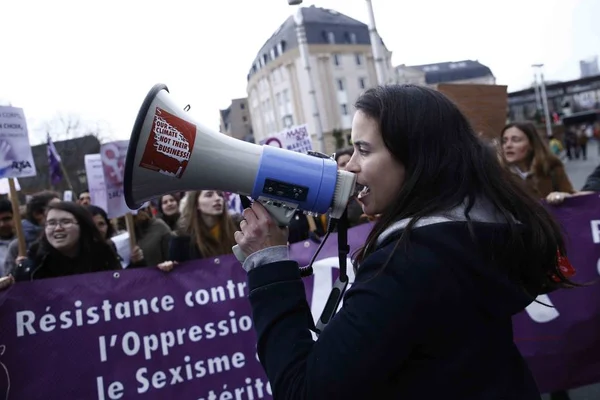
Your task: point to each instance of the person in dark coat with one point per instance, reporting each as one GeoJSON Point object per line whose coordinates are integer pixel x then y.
{"type": "Point", "coordinates": [136, 257]}
{"type": "Point", "coordinates": [168, 209]}
{"type": "Point", "coordinates": [71, 245]}
{"type": "Point", "coordinates": [458, 249]}
{"type": "Point", "coordinates": [33, 226]}
{"type": "Point", "coordinates": [592, 183]}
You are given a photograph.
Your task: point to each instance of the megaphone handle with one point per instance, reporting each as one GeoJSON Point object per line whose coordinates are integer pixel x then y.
{"type": "Point", "coordinates": [281, 216]}
{"type": "Point", "coordinates": [239, 254]}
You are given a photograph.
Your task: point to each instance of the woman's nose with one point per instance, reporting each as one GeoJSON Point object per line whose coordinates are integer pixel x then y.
{"type": "Point", "coordinates": [351, 166]}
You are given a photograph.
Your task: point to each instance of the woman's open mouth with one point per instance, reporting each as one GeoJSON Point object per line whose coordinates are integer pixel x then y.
{"type": "Point", "coordinates": [361, 190]}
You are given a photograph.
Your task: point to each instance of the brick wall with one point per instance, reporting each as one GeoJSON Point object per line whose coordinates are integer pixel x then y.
{"type": "Point", "coordinates": [484, 105]}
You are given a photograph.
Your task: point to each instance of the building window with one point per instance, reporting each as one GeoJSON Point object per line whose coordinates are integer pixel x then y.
{"type": "Point", "coordinates": [244, 119]}
{"type": "Point", "coordinates": [344, 109]}
{"type": "Point", "coordinates": [288, 121]}
{"type": "Point", "coordinates": [336, 60]}
{"type": "Point", "coordinates": [340, 85]}
{"type": "Point", "coordinates": [242, 106]}
{"type": "Point", "coordinates": [329, 37]}
{"type": "Point", "coordinates": [350, 38]}
{"type": "Point", "coordinates": [361, 83]}
{"type": "Point", "coordinates": [281, 47]}
{"type": "Point", "coordinates": [358, 58]}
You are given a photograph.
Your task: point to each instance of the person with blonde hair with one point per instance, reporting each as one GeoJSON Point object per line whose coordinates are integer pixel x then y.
{"type": "Point", "coordinates": [206, 229]}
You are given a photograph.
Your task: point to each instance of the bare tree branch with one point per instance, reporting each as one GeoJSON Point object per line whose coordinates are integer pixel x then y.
{"type": "Point", "coordinates": [71, 126]}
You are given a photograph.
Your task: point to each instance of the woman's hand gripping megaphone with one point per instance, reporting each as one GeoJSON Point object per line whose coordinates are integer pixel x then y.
{"type": "Point", "coordinates": [258, 231]}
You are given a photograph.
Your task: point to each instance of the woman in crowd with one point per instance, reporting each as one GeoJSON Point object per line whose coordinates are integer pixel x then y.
{"type": "Point", "coordinates": [71, 245]}
{"type": "Point", "coordinates": [33, 225]}
{"type": "Point", "coordinates": [524, 153]}
{"type": "Point", "coordinates": [205, 229]}
{"type": "Point", "coordinates": [168, 209]}
{"type": "Point", "coordinates": [108, 231]}
{"type": "Point", "coordinates": [152, 236]}
{"type": "Point", "coordinates": [458, 249]}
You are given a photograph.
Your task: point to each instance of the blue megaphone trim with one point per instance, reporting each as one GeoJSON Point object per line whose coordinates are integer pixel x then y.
{"type": "Point", "coordinates": [296, 178]}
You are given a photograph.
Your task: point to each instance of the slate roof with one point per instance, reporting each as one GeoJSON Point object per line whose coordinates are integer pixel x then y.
{"type": "Point", "coordinates": [318, 23]}
{"type": "Point", "coordinates": [453, 71]}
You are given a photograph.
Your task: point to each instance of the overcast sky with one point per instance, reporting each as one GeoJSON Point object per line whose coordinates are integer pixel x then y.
{"type": "Point", "coordinates": [99, 59]}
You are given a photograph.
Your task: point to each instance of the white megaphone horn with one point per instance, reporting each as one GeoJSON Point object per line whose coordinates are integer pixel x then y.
{"type": "Point", "coordinates": [169, 152]}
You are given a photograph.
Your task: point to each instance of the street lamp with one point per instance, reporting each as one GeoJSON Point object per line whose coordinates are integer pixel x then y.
{"type": "Point", "coordinates": [538, 67]}
{"type": "Point", "coordinates": [305, 57]}
{"type": "Point", "coordinates": [375, 46]}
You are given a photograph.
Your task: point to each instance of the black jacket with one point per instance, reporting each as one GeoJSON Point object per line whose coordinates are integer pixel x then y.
{"type": "Point", "coordinates": [182, 248]}
{"type": "Point", "coordinates": [435, 323]}
{"type": "Point", "coordinates": [592, 183]}
{"type": "Point", "coordinates": [53, 264]}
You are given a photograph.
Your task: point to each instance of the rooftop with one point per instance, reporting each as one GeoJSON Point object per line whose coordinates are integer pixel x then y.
{"type": "Point", "coordinates": [452, 71]}
{"type": "Point", "coordinates": [322, 26]}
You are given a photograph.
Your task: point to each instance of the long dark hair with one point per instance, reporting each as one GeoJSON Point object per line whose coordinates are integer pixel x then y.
{"type": "Point", "coordinates": [95, 254]}
{"type": "Point", "coordinates": [95, 210]}
{"type": "Point", "coordinates": [446, 164]}
{"type": "Point", "coordinates": [172, 219]}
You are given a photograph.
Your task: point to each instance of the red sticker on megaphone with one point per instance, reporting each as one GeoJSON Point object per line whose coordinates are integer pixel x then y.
{"type": "Point", "coordinates": [170, 143]}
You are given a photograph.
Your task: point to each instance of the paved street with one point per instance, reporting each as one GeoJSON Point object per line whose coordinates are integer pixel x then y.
{"type": "Point", "coordinates": [578, 171]}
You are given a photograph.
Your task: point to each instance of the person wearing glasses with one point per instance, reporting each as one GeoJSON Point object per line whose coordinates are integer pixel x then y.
{"type": "Point", "coordinates": [71, 245]}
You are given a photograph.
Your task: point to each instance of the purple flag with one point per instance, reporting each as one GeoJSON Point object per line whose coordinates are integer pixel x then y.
{"type": "Point", "coordinates": [234, 204]}
{"type": "Point", "coordinates": [53, 162]}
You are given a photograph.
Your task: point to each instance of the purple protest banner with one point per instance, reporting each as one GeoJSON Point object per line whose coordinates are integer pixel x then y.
{"type": "Point", "coordinates": [561, 343]}
{"type": "Point", "coordinates": [141, 333]}
{"type": "Point", "coordinates": [132, 334]}
{"type": "Point", "coordinates": [187, 334]}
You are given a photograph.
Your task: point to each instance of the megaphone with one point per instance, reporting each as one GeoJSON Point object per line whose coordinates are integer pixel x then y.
{"type": "Point", "coordinates": [169, 152]}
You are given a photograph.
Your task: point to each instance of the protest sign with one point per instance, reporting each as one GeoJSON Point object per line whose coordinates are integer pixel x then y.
{"type": "Point", "coordinates": [94, 171]}
{"type": "Point", "coordinates": [16, 159]}
{"type": "Point", "coordinates": [295, 138]}
{"type": "Point", "coordinates": [113, 164]}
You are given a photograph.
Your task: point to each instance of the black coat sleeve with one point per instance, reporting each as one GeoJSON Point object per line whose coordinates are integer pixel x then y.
{"type": "Point", "coordinates": [364, 344]}
{"type": "Point", "coordinates": [179, 248]}
{"type": "Point", "coordinates": [592, 184]}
